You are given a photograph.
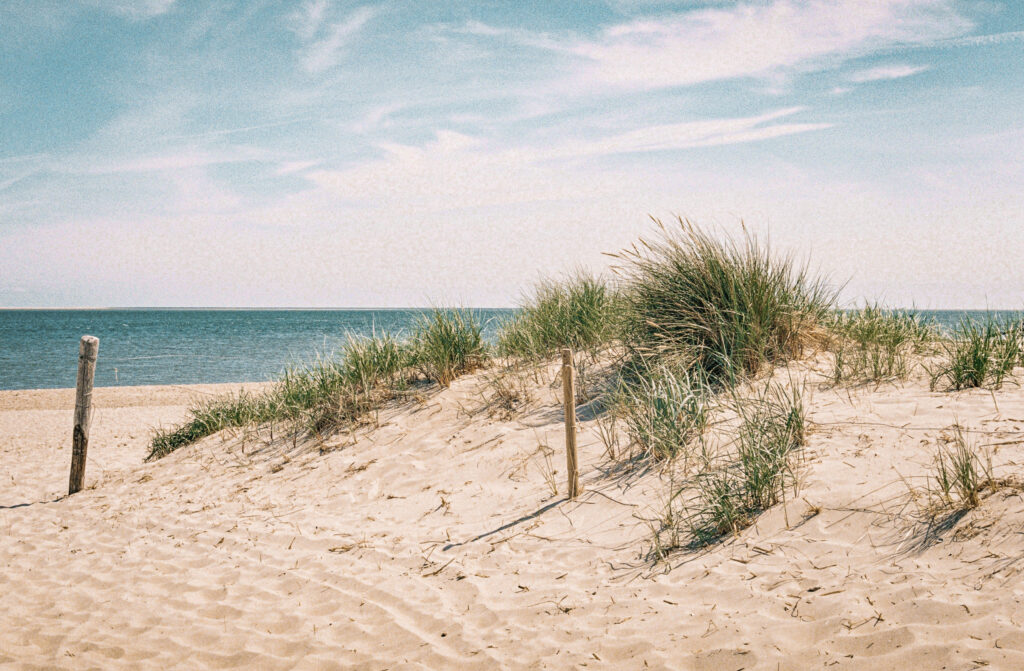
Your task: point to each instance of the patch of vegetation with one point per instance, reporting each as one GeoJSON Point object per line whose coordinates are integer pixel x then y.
{"type": "Point", "coordinates": [581, 312]}
{"type": "Point", "coordinates": [664, 410]}
{"type": "Point", "coordinates": [324, 395]}
{"type": "Point", "coordinates": [979, 354]}
{"type": "Point", "coordinates": [755, 476]}
{"type": "Point", "coordinates": [961, 473]}
{"type": "Point", "coordinates": [448, 343]}
{"type": "Point", "coordinates": [208, 417]}
{"type": "Point", "coordinates": [874, 345]}
{"type": "Point", "coordinates": [728, 307]}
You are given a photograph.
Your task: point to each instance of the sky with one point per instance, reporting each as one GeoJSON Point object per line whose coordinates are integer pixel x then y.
{"type": "Point", "coordinates": [385, 154]}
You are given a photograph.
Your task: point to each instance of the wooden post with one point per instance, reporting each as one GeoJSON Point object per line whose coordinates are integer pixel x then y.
{"type": "Point", "coordinates": [569, 393]}
{"type": "Point", "coordinates": [87, 350]}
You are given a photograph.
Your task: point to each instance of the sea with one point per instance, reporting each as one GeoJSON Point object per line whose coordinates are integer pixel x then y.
{"type": "Point", "coordinates": [39, 348]}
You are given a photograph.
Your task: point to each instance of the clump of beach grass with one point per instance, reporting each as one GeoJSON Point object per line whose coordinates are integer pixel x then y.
{"type": "Point", "coordinates": [664, 410]}
{"type": "Point", "coordinates": [323, 395]}
{"type": "Point", "coordinates": [581, 311]}
{"type": "Point", "coordinates": [209, 416]}
{"type": "Point", "coordinates": [448, 343]}
{"type": "Point", "coordinates": [872, 344]}
{"type": "Point", "coordinates": [979, 354]}
{"type": "Point", "coordinates": [728, 306]}
{"type": "Point", "coordinates": [961, 472]}
{"type": "Point", "coordinates": [754, 476]}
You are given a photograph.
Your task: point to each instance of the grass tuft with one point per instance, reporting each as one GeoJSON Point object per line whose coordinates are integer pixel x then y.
{"type": "Point", "coordinates": [664, 410]}
{"type": "Point", "coordinates": [448, 343]}
{"type": "Point", "coordinates": [729, 306]}
{"type": "Point", "coordinates": [961, 473]}
{"type": "Point", "coordinates": [755, 477]}
{"type": "Point", "coordinates": [581, 312]}
{"type": "Point", "coordinates": [320, 396]}
{"type": "Point", "coordinates": [979, 354]}
{"type": "Point", "coordinates": [872, 344]}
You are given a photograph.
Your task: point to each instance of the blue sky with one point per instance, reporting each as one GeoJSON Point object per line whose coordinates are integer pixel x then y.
{"type": "Point", "coordinates": [329, 153]}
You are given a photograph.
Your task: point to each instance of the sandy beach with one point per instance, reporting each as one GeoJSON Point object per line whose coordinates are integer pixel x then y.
{"type": "Point", "coordinates": [434, 541]}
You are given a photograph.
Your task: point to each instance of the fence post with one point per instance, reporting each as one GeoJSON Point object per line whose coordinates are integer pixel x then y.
{"type": "Point", "coordinates": [569, 394]}
{"type": "Point", "coordinates": [87, 350]}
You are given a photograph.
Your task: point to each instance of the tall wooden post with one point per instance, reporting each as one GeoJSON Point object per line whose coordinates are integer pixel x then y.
{"type": "Point", "coordinates": [87, 350]}
{"type": "Point", "coordinates": [569, 394]}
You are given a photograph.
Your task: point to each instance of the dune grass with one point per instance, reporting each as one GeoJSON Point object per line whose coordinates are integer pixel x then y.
{"type": "Point", "coordinates": [961, 473]}
{"type": "Point", "coordinates": [754, 476]}
{"type": "Point", "coordinates": [448, 343]}
{"type": "Point", "coordinates": [664, 410]}
{"type": "Point", "coordinates": [726, 305]}
{"type": "Point", "coordinates": [317, 396]}
{"type": "Point", "coordinates": [580, 311]}
{"type": "Point", "coordinates": [334, 392]}
{"type": "Point", "coordinates": [979, 354]}
{"type": "Point", "coordinates": [209, 417]}
{"type": "Point", "coordinates": [872, 344]}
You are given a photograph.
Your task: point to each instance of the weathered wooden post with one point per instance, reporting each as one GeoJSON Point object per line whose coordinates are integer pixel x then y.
{"type": "Point", "coordinates": [87, 350]}
{"type": "Point", "coordinates": [569, 394]}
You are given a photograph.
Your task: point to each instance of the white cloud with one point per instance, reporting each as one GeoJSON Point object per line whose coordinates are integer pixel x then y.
{"type": "Point", "coordinates": [327, 51]}
{"type": "Point", "coordinates": [757, 40]}
{"type": "Point", "coordinates": [170, 160]}
{"type": "Point", "coordinates": [133, 9]}
{"type": "Point", "coordinates": [456, 170]}
{"type": "Point", "coordinates": [289, 167]}
{"type": "Point", "coordinates": [978, 40]}
{"type": "Point", "coordinates": [687, 135]}
{"type": "Point", "coordinates": [883, 72]}
{"type": "Point", "coordinates": [310, 18]}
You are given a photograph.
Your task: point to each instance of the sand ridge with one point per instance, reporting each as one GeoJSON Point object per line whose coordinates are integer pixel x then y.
{"type": "Point", "coordinates": [434, 541]}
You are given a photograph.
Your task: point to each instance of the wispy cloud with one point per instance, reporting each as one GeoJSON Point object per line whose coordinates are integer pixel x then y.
{"type": "Point", "coordinates": [758, 39]}
{"type": "Point", "coordinates": [970, 41]}
{"type": "Point", "coordinates": [687, 135]}
{"type": "Point", "coordinates": [326, 51]}
{"type": "Point", "coordinates": [458, 169]}
{"type": "Point", "coordinates": [168, 161]}
{"type": "Point", "coordinates": [310, 18]}
{"type": "Point", "coordinates": [883, 72]}
{"type": "Point", "coordinates": [133, 9]}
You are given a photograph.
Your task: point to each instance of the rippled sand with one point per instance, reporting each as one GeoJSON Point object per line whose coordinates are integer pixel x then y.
{"type": "Point", "coordinates": [434, 541]}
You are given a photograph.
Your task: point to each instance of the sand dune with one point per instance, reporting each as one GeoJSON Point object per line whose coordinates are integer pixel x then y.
{"type": "Point", "coordinates": [434, 541]}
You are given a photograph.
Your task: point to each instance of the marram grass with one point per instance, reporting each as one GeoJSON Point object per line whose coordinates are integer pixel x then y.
{"type": "Point", "coordinates": [338, 391]}
{"type": "Point", "coordinates": [872, 344]}
{"type": "Point", "coordinates": [979, 354]}
{"type": "Point", "coordinates": [727, 305]}
{"type": "Point", "coordinates": [448, 343]}
{"type": "Point", "coordinates": [581, 311]}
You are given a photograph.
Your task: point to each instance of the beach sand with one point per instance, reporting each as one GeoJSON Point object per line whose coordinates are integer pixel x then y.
{"type": "Point", "coordinates": [434, 541]}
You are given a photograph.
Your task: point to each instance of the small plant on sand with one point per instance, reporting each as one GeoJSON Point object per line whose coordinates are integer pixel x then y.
{"type": "Point", "coordinates": [772, 428]}
{"type": "Point", "coordinates": [873, 344]}
{"type": "Point", "coordinates": [606, 424]}
{"type": "Point", "coordinates": [367, 362]}
{"type": "Point", "coordinates": [729, 306]}
{"type": "Point", "coordinates": [208, 417]}
{"type": "Point", "coordinates": [448, 343]}
{"type": "Point", "coordinates": [582, 312]}
{"type": "Point", "coordinates": [547, 468]}
{"type": "Point", "coordinates": [507, 390]}
{"type": "Point", "coordinates": [319, 396]}
{"type": "Point", "coordinates": [664, 410]}
{"type": "Point", "coordinates": [755, 477]}
{"type": "Point", "coordinates": [961, 472]}
{"type": "Point", "coordinates": [979, 354]}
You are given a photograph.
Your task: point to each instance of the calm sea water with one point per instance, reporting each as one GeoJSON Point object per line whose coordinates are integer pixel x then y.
{"type": "Point", "coordinates": [39, 348]}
